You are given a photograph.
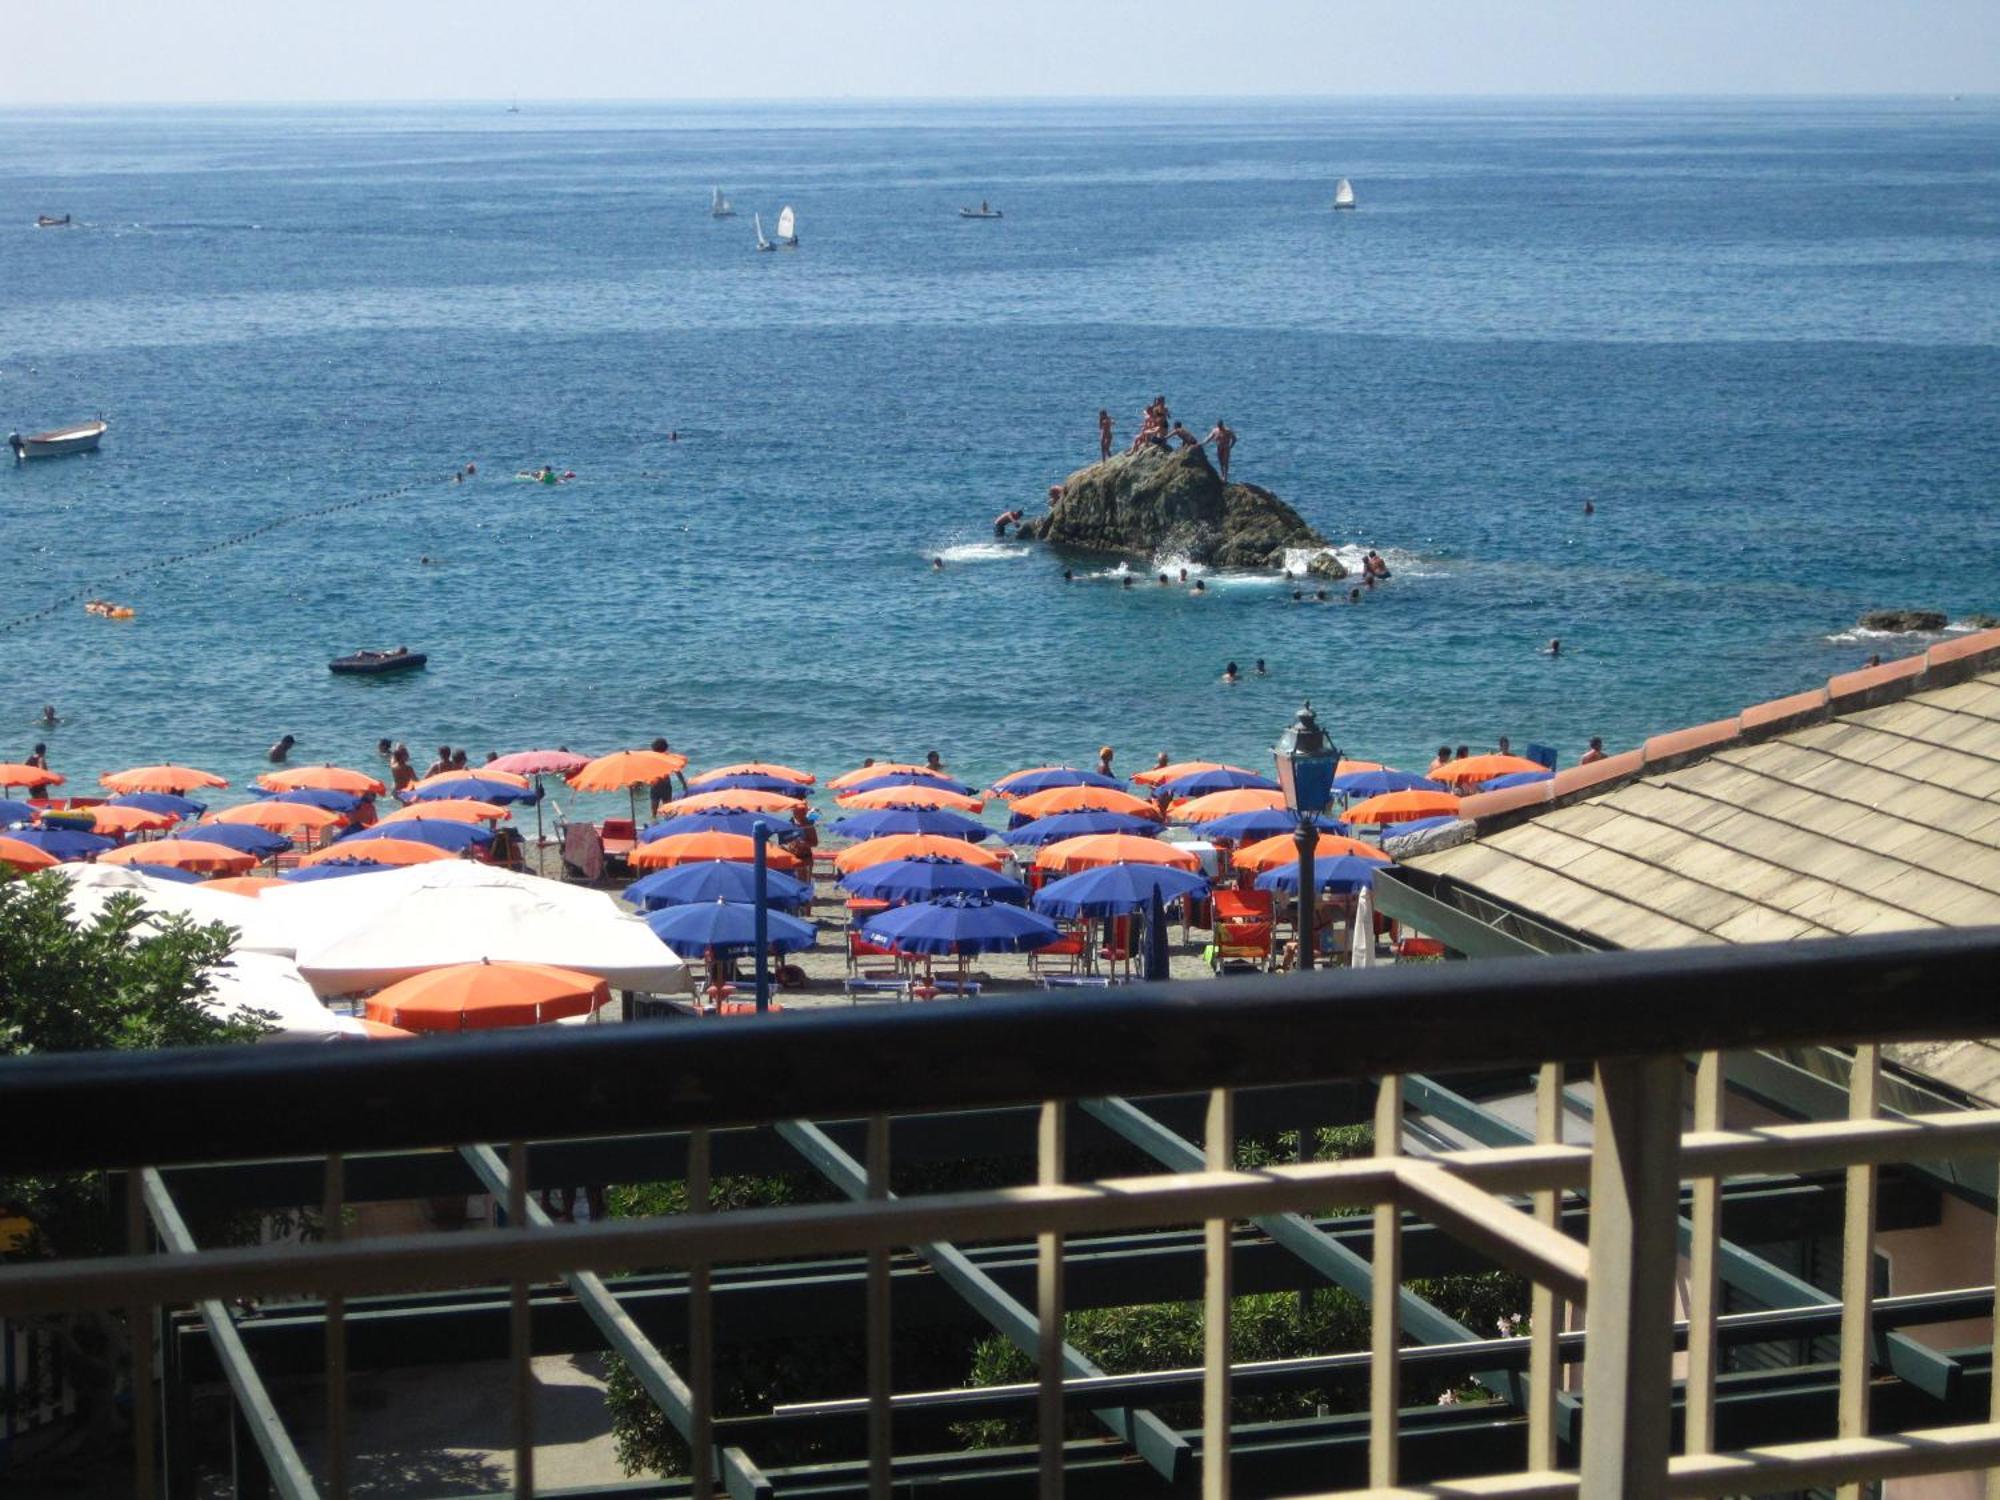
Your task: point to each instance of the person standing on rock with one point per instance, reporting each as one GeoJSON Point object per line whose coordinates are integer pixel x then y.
{"type": "Point", "coordinates": [1224, 438]}
{"type": "Point", "coordinates": [1103, 434]}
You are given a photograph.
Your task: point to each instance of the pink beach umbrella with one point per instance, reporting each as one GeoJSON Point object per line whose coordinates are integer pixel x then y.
{"type": "Point", "coordinates": [539, 763]}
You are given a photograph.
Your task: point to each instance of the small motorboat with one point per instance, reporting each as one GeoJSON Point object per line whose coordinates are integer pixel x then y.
{"type": "Point", "coordinates": [43, 221]}
{"type": "Point", "coordinates": [984, 211]}
{"type": "Point", "coordinates": [377, 663]}
{"type": "Point", "coordinates": [81, 438]}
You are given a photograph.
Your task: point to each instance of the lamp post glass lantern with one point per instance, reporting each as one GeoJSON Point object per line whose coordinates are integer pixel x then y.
{"type": "Point", "coordinates": [1306, 761]}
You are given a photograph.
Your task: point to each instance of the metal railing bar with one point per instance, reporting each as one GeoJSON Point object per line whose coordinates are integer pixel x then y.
{"type": "Point", "coordinates": [520, 1332]}
{"type": "Point", "coordinates": [1835, 1461]}
{"type": "Point", "coordinates": [700, 1434]}
{"type": "Point", "coordinates": [1385, 1291]}
{"type": "Point", "coordinates": [1704, 1282]}
{"type": "Point", "coordinates": [1545, 1309]}
{"type": "Point", "coordinates": [333, 1214]}
{"type": "Point", "coordinates": [1163, 1448]}
{"type": "Point", "coordinates": [881, 1449]}
{"type": "Point", "coordinates": [1218, 1290]}
{"type": "Point", "coordinates": [1857, 1262]}
{"type": "Point", "coordinates": [1051, 1162]}
{"type": "Point", "coordinates": [145, 1352]}
{"type": "Point", "coordinates": [69, 1111]}
{"type": "Point", "coordinates": [288, 1471]}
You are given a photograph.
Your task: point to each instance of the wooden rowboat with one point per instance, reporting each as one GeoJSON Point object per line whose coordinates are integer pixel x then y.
{"type": "Point", "coordinates": [81, 438]}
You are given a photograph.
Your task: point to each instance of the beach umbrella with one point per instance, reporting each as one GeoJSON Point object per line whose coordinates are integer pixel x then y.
{"type": "Point", "coordinates": [92, 888]}
{"type": "Point", "coordinates": [1063, 799]}
{"type": "Point", "coordinates": [386, 849]}
{"type": "Point", "coordinates": [711, 927]}
{"type": "Point", "coordinates": [241, 837]}
{"type": "Point", "coordinates": [1284, 850]}
{"type": "Point", "coordinates": [323, 905]}
{"type": "Point", "coordinates": [747, 781]}
{"type": "Point", "coordinates": [166, 802]}
{"type": "Point", "coordinates": [110, 820]}
{"type": "Point", "coordinates": [471, 773]}
{"type": "Point", "coordinates": [537, 763]}
{"type": "Point", "coordinates": [450, 809]}
{"type": "Point", "coordinates": [1344, 872]}
{"type": "Point", "coordinates": [324, 798]}
{"type": "Point", "coordinates": [763, 768]}
{"type": "Point", "coordinates": [1382, 779]}
{"type": "Point", "coordinates": [179, 780]}
{"type": "Point", "coordinates": [456, 788]}
{"type": "Point", "coordinates": [627, 771]}
{"type": "Point", "coordinates": [439, 833]}
{"type": "Point", "coordinates": [1350, 767]}
{"type": "Point", "coordinates": [934, 798]}
{"type": "Point", "coordinates": [729, 799]}
{"type": "Point", "coordinates": [402, 926]}
{"type": "Point", "coordinates": [1248, 827]}
{"type": "Point", "coordinates": [1227, 803]}
{"type": "Point", "coordinates": [63, 843]}
{"type": "Point", "coordinates": [927, 878]}
{"type": "Point", "coordinates": [334, 869]}
{"type": "Point", "coordinates": [1363, 952]}
{"type": "Point", "coordinates": [1047, 778]}
{"type": "Point", "coordinates": [1161, 775]}
{"type": "Point", "coordinates": [875, 824]}
{"type": "Point", "coordinates": [168, 873]}
{"type": "Point", "coordinates": [686, 848]}
{"type": "Point", "coordinates": [360, 1028]}
{"type": "Point", "coordinates": [910, 778]}
{"type": "Point", "coordinates": [1474, 769]}
{"type": "Point", "coordinates": [325, 778]}
{"type": "Point", "coordinates": [1402, 807]}
{"type": "Point", "coordinates": [881, 768]}
{"type": "Point", "coordinates": [473, 996]}
{"type": "Point", "coordinates": [915, 846]}
{"type": "Point", "coordinates": [745, 823]}
{"type": "Point", "coordinates": [291, 818]}
{"type": "Point", "coordinates": [1516, 778]}
{"type": "Point", "coordinates": [714, 880]}
{"type": "Point", "coordinates": [1217, 779]}
{"type": "Point", "coordinates": [15, 812]}
{"type": "Point", "coordinates": [1113, 849]}
{"type": "Point", "coordinates": [269, 983]}
{"type": "Point", "coordinates": [181, 854]}
{"type": "Point", "coordinates": [1117, 890]}
{"type": "Point", "coordinates": [960, 925]}
{"type": "Point", "coordinates": [242, 885]}
{"type": "Point", "coordinates": [23, 857]}
{"type": "Point", "coordinates": [31, 778]}
{"type": "Point", "coordinates": [1059, 826]}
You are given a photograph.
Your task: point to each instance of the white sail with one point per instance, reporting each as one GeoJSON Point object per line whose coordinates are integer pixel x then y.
{"type": "Point", "coordinates": [719, 206]}
{"type": "Point", "coordinates": [787, 225]}
{"type": "Point", "coordinates": [1343, 194]}
{"type": "Point", "coordinates": [757, 219]}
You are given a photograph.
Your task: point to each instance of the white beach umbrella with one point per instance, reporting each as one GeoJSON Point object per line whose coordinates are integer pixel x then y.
{"type": "Point", "coordinates": [271, 983]}
{"type": "Point", "coordinates": [1364, 929]}
{"type": "Point", "coordinates": [317, 909]}
{"type": "Point", "coordinates": [431, 926]}
{"type": "Point", "coordinates": [91, 888]}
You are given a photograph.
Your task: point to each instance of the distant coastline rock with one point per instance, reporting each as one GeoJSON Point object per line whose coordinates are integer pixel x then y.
{"type": "Point", "coordinates": [1902, 621]}
{"type": "Point", "coordinates": [1155, 503]}
{"type": "Point", "coordinates": [1981, 621]}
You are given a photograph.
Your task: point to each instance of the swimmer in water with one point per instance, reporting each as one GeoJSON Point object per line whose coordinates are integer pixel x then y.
{"type": "Point", "coordinates": [1199, 587]}
{"type": "Point", "coordinates": [1230, 674]}
{"type": "Point", "coordinates": [1128, 580]}
{"type": "Point", "coordinates": [1555, 646]}
{"type": "Point", "coordinates": [1068, 576]}
{"type": "Point", "coordinates": [1183, 575]}
{"type": "Point", "coordinates": [1589, 508]}
{"type": "Point", "coordinates": [937, 565]}
{"type": "Point", "coordinates": [49, 715]}
{"type": "Point", "coordinates": [1163, 580]}
{"type": "Point", "coordinates": [1260, 669]}
{"type": "Point", "coordinates": [1354, 596]}
{"type": "Point", "coordinates": [1319, 596]}
{"type": "Point", "coordinates": [1298, 594]}
{"type": "Point", "coordinates": [277, 753]}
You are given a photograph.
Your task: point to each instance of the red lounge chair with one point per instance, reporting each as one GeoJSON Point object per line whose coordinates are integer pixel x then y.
{"type": "Point", "coordinates": [1065, 955]}
{"type": "Point", "coordinates": [1117, 949]}
{"type": "Point", "coordinates": [620, 837]}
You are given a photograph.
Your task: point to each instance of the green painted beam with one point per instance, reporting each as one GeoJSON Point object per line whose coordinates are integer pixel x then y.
{"type": "Point", "coordinates": [1458, 930]}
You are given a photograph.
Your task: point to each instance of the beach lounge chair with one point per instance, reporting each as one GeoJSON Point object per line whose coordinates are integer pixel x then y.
{"type": "Point", "coordinates": [1117, 950]}
{"type": "Point", "coordinates": [1064, 955]}
{"type": "Point", "coordinates": [1244, 928]}
{"type": "Point", "coordinates": [859, 949]}
{"type": "Point", "coordinates": [621, 837]}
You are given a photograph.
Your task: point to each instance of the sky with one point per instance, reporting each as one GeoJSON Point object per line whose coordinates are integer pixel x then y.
{"type": "Point", "coordinates": [144, 51]}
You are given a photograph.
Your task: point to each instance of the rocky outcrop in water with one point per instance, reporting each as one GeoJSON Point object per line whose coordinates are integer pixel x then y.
{"type": "Point", "coordinates": [1155, 503]}
{"type": "Point", "coordinates": [1928, 621]}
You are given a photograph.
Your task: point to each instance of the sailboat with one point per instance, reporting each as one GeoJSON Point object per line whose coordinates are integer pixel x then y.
{"type": "Point", "coordinates": [1343, 194]}
{"type": "Point", "coordinates": [719, 206]}
{"type": "Point", "coordinates": [762, 243]}
{"type": "Point", "coordinates": [788, 228]}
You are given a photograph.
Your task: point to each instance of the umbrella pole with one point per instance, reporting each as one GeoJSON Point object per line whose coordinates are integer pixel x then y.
{"type": "Point", "coordinates": [539, 840]}
{"type": "Point", "coordinates": [759, 838]}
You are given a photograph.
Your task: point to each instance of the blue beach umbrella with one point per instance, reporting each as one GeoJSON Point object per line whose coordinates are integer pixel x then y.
{"type": "Point", "coordinates": [64, 843]}
{"type": "Point", "coordinates": [890, 779]}
{"type": "Point", "coordinates": [1218, 779]}
{"type": "Point", "coordinates": [1377, 783]}
{"type": "Point", "coordinates": [324, 798]}
{"type": "Point", "coordinates": [15, 812]}
{"type": "Point", "coordinates": [334, 869]}
{"type": "Point", "coordinates": [714, 880]}
{"type": "Point", "coordinates": [727, 927]}
{"type": "Point", "coordinates": [753, 781]}
{"type": "Point", "coordinates": [1342, 873]}
{"type": "Point", "coordinates": [1116, 890]}
{"type": "Point", "coordinates": [1074, 825]}
{"type": "Point", "coordinates": [161, 802]}
{"type": "Point", "coordinates": [1516, 778]}
{"type": "Point", "coordinates": [885, 820]}
{"type": "Point", "coordinates": [168, 872]}
{"type": "Point", "coordinates": [928, 878]}
{"type": "Point", "coordinates": [960, 925]}
{"type": "Point", "coordinates": [478, 788]}
{"type": "Point", "coordinates": [439, 833]}
{"type": "Point", "coordinates": [1047, 778]}
{"type": "Point", "coordinates": [1264, 823]}
{"type": "Point", "coordinates": [245, 837]}
{"type": "Point", "coordinates": [744, 823]}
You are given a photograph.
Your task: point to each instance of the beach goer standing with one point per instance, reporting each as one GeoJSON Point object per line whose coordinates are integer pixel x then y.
{"type": "Point", "coordinates": [1005, 519]}
{"type": "Point", "coordinates": [402, 775]}
{"type": "Point", "coordinates": [663, 789]}
{"type": "Point", "coordinates": [1594, 754]}
{"type": "Point", "coordinates": [1224, 438]}
{"type": "Point", "coordinates": [1103, 433]}
{"type": "Point", "coordinates": [1104, 760]}
{"type": "Point", "coordinates": [442, 764]}
{"type": "Point", "coordinates": [38, 757]}
{"type": "Point", "coordinates": [277, 753]}
{"type": "Point", "coordinates": [1443, 760]}
{"type": "Point", "coordinates": [1160, 761]}
{"type": "Point", "coordinates": [1506, 748]}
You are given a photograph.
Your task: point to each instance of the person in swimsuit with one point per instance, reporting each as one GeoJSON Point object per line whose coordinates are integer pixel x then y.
{"type": "Point", "coordinates": [1103, 434]}
{"type": "Point", "coordinates": [1224, 438]}
{"type": "Point", "coordinates": [1008, 518]}
{"type": "Point", "coordinates": [1187, 439]}
{"type": "Point", "coordinates": [1104, 760]}
{"type": "Point", "coordinates": [277, 753]}
{"type": "Point", "coordinates": [38, 757]}
{"type": "Point", "coordinates": [1594, 754]}
{"type": "Point", "coordinates": [1230, 674]}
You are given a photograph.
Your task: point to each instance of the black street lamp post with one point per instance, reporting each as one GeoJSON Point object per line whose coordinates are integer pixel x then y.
{"type": "Point", "coordinates": [1307, 760]}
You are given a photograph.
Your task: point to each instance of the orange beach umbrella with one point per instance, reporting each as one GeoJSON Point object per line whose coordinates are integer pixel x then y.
{"type": "Point", "coordinates": [756, 768]}
{"type": "Point", "coordinates": [178, 780]}
{"type": "Point", "coordinates": [1348, 767]}
{"type": "Point", "coordinates": [912, 796]}
{"type": "Point", "coordinates": [914, 846]}
{"type": "Point", "coordinates": [1222, 804]}
{"type": "Point", "coordinates": [1403, 807]}
{"type": "Point", "coordinates": [627, 768]}
{"type": "Point", "coordinates": [13, 774]}
{"type": "Point", "coordinates": [461, 997]}
{"type": "Point", "coordinates": [1062, 799]}
{"type": "Point", "coordinates": [686, 848]}
{"type": "Point", "coordinates": [883, 768]}
{"type": "Point", "coordinates": [181, 854]}
{"type": "Point", "coordinates": [243, 885]}
{"type": "Point", "coordinates": [115, 821]}
{"type": "Point", "coordinates": [730, 800]}
{"type": "Point", "coordinates": [1477, 768]}
{"type": "Point", "coordinates": [322, 779]}
{"type": "Point", "coordinates": [23, 857]}
{"type": "Point", "coordinates": [383, 851]}
{"type": "Point", "coordinates": [279, 817]}
{"type": "Point", "coordinates": [1160, 775]}
{"type": "Point", "coordinates": [1268, 854]}
{"type": "Point", "coordinates": [450, 810]}
{"type": "Point", "coordinates": [1095, 849]}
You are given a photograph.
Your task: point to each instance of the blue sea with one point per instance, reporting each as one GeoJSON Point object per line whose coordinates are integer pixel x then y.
{"type": "Point", "coordinates": [1762, 337]}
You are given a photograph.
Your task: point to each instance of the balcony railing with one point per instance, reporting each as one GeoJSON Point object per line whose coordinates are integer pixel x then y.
{"type": "Point", "coordinates": [1637, 1019]}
